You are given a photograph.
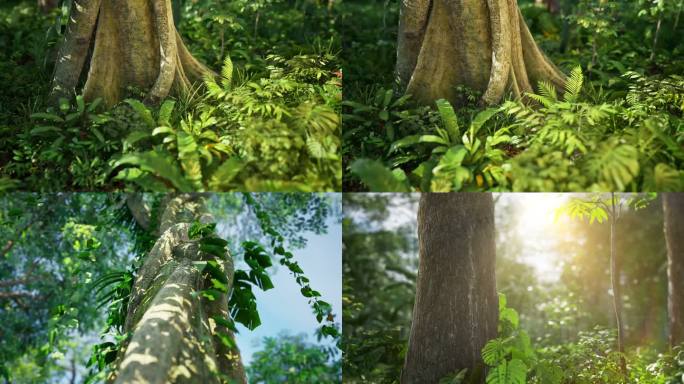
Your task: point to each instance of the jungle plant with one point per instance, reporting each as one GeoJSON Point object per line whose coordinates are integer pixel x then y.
{"type": "Point", "coordinates": [193, 157]}
{"type": "Point", "coordinates": [614, 146]}
{"type": "Point", "coordinates": [75, 137]}
{"type": "Point", "coordinates": [455, 161]}
{"type": "Point", "coordinates": [511, 357]}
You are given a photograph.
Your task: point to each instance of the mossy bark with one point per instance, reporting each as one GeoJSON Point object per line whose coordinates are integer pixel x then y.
{"type": "Point", "coordinates": [456, 307]}
{"type": "Point", "coordinates": [484, 45]}
{"type": "Point", "coordinates": [174, 334]}
{"type": "Point", "coordinates": [134, 44]}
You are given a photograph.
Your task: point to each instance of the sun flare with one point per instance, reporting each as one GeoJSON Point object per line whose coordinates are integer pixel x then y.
{"type": "Point", "coordinates": [537, 227]}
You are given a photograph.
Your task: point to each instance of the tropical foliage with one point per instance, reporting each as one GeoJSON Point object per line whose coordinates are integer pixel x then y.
{"type": "Point", "coordinates": [616, 127]}
{"type": "Point", "coordinates": [270, 121]}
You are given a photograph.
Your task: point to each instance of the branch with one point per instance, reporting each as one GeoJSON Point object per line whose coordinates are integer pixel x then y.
{"type": "Point", "coordinates": [21, 280]}
{"type": "Point", "coordinates": [10, 243]}
{"type": "Point", "coordinates": [8, 247]}
{"type": "Point", "coordinates": [11, 295]}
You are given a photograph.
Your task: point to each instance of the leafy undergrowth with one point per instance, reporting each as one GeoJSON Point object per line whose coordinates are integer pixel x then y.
{"type": "Point", "coordinates": [513, 359]}
{"type": "Point", "coordinates": [271, 121]}
{"type": "Point", "coordinates": [618, 125]}
{"type": "Point", "coordinates": [548, 143]}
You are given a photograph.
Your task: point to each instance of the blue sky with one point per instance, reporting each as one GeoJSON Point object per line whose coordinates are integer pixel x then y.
{"type": "Point", "coordinates": [283, 308]}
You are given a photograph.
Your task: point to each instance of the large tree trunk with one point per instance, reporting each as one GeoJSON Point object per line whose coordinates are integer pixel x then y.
{"type": "Point", "coordinates": [484, 45]}
{"type": "Point", "coordinates": [174, 337]}
{"type": "Point", "coordinates": [456, 307]}
{"type": "Point", "coordinates": [135, 45]}
{"type": "Point", "coordinates": [673, 209]}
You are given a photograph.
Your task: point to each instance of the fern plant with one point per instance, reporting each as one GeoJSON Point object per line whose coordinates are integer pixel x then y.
{"type": "Point", "coordinates": [286, 125]}
{"type": "Point", "coordinates": [457, 160]}
{"type": "Point", "coordinates": [511, 357]}
{"type": "Point", "coordinates": [576, 145]}
{"type": "Point", "coordinates": [191, 157]}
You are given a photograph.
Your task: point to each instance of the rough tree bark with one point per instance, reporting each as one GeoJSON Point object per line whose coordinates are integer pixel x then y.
{"type": "Point", "coordinates": [134, 44]}
{"type": "Point", "coordinates": [456, 307]}
{"type": "Point", "coordinates": [673, 209]}
{"type": "Point", "coordinates": [173, 334]}
{"type": "Point", "coordinates": [484, 45]}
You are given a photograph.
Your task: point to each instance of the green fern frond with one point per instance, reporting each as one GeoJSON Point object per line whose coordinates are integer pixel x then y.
{"type": "Point", "coordinates": [573, 85]}
{"type": "Point", "coordinates": [494, 352]}
{"type": "Point", "coordinates": [513, 372]}
{"type": "Point", "coordinates": [227, 73]}
{"type": "Point", "coordinates": [543, 100]}
{"type": "Point", "coordinates": [213, 89]}
{"type": "Point", "coordinates": [548, 90]}
{"type": "Point", "coordinates": [615, 164]}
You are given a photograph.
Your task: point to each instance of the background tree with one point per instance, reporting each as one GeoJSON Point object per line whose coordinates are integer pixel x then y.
{"type": "Point", "coordinates": [456, 307]}
{"type": "Point", "coordinates": [673, 208]}
{"type": "Point", "coordinates": [601, 208]}
{"type": "Point", "coordinates": [291, 359]}
{"type": "Point", "coordinates": [379, 275]}
{"type": "Point", "coordinates": [482, 45]}
{"type": "Point", "coordinates": [52, 246]}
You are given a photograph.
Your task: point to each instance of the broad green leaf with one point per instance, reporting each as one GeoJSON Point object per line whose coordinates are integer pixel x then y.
{"type": "Point", "coordinates": [449, 119]}
{"type": "Point", "coordinates": [377, 177]}
{"type": "Point", "coordinates": [142, 110]}
{"type": "Point", "coordinates": [157, 163]}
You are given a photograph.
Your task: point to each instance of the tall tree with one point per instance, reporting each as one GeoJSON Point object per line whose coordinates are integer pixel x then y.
{"type": "Point", "coordinates": [135, 45]}
{"type": "Point", "coordinates": [673, 209]}
{"type": "Point", "coordinates": [481, 44]}
{"type": "Point", "coordinates": [164, 305]}
{"type": "Point", "coordinates": [456, 307]}
{"type": "Point", "coordinates": [157, 264]}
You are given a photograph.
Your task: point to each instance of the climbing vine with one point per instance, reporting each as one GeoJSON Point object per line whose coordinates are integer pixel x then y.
{"type": "Point", "coordinates": [322, 309]}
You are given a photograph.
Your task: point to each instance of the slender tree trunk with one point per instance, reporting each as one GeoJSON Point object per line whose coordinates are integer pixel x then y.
{"type": "Point", "coordinates": [656, 35]}
{"type": "Point", "coordinates": [615, 271]}
{"type": "Point", "coordinates": [673, 208]}
{"type": "Point", "coordinates": [47, 5]}
{"type": "Point", "coordinates": [552, 5]}
{"type": "Point", "coordinates": [484, 45]}
{"type": "Point", "coordinates": [456, 307]}
{"type": "Point", "coordinates": [174, 334]}
{"type": "Point", "coordinates": [135, 45]}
